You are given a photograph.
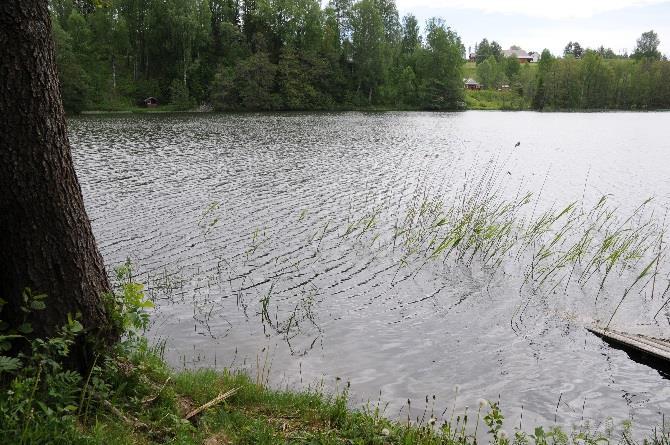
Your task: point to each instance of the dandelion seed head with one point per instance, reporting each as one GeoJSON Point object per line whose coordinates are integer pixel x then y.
{"type": "Point", "coordinates": [483, 403]}
{"type": "Point", "coordinates": [385, 432]}
{"type": "Point", "coordinates": [503, 435]}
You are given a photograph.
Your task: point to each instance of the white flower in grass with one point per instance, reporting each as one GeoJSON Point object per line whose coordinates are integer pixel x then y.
{"type": "Point", "coordinates": [503, 435]}
{"type": "Point", "coordinates": [483, 403]}
{"type": "Point", "coordinates": [432, 420]}
{"type": "Point", "coordinates": [385, 432]}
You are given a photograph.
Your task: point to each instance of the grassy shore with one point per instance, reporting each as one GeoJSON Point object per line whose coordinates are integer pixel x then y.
{"type": "Point", "coordinates": [135, 398]}
{"type": "Point", "coordinates": [495, 100]}
{"type": "Point", "coordinates": [154, 405]}
{"type": "Point", "coordinates": [131, 396]}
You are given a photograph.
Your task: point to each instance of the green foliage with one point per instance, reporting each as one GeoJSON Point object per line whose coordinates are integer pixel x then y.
{"type": "Point", "coordinates": [42, 400]}
{"type": "Point", "coordinates": [30, 302]}
{"type": "Point", "coordinates": [494, 421]}
{"type": "Point", "coordinates": [298, 55]}
{"type": "Point", "coordinates": [179, 96]}
{"type": "Point", "coordinates": [295, 88]}
{"type": "Point", "coordinates": [74, 81]}
{"type": "Point", "coordinates": [370, 49]}
{"type": "Point", "coordinates": [252, 55]}
{"type": "Point", "coordinates": [39, 400]}
{"type": "Point", "coordinates": [485, 50]}
{"type": "Point", "coordinates": [491, 74]}
{"type": "Point", "coordinates": [254, 83]}
{"type": "Point", "coordinates": [129, 307]}
{"type": "Point", "coordinates": [573, 49]}
{"type": "Point", "coordinates": [647, 46]}
{"type": "Point", "coordinates": [511, 67]}
{"type": "Point", "coordinates": [411, 36]}
{"type": "Point", "coordinates": [495, 100]}
{"type": "Point", "coordinates": [441, 68]}
{"type": "Point", "coordinates": [594, 82]}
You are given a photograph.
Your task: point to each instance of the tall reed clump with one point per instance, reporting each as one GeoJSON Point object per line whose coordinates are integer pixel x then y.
{"type": "Point", "coordinates": [575, 244]}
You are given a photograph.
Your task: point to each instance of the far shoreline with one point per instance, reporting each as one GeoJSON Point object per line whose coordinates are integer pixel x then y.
{"type": "Point", "coordinates": [352, 110]}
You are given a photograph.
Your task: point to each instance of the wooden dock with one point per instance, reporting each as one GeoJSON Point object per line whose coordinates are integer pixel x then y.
{"type": "Point", "coordinates": [651, 351]}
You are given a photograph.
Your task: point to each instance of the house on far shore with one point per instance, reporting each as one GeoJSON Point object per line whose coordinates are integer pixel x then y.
{"type": "Point", "coordinates": [520, 54]}
{"type": "Point", "coordinates": [151, 102]}
{"type": "Point", "coordinates": [535, 55]}
{"type": "Point", "coordinates": [472, 84]}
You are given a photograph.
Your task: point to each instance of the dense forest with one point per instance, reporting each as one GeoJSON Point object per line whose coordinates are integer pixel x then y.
{"type": "Point", "coordinates": [298, 55]}
{"type": "Point", "coordinates": [254, 55]}
{"type": "Point", "coordinates": [593, 82]}
{"type": "Point", "coordinates": [581, 78]}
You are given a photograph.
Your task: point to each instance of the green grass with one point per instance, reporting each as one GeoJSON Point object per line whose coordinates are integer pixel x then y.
{"type": "Point", "coordinates": [495, 100]}
{"type": "Point", "coordinates": [470, 70]}
{"type": "Point", "coordinates": [145, 402]}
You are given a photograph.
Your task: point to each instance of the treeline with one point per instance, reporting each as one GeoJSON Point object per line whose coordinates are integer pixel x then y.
{"type": "Point", "coordinates": [254, 55]}
{"type": "Point", "coordinates": [593, 82]}
{"type": "Point", "coordinates": [582, 78]}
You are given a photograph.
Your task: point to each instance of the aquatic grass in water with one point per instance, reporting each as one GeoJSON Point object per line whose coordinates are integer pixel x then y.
{"type": "Point", "coordinates": [474, 226]}
{"type": "Point", "coordinates": [569, 244]}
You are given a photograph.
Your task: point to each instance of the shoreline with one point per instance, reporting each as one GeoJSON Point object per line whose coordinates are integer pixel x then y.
{"type": "Point", "coordinates": [234, 407]}
{"type": "Point", "coordinates": [352, 110]}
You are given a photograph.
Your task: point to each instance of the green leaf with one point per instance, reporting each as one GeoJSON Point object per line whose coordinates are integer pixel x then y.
{"type": "Point", "coordinates": [44, 408]}
{"type": "Point", "coordinates": [8, 364]}
{"type": "Point", "coordinates": [37, 305]}
{"type": "Point", "coordinates": [76, 327]}
{"type": "Point", "coordinates": [25, 328]}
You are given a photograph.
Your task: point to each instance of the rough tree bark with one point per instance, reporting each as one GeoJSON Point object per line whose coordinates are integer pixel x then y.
{"type": "Point", "coordinates": [46, 241]}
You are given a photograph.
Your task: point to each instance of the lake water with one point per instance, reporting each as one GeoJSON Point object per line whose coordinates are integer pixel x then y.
{"type": "Point", "coordinates": [283, 241]}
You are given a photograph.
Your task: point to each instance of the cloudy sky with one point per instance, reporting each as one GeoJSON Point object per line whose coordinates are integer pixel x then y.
{"type": "Point", "coordinates": [535, 25]}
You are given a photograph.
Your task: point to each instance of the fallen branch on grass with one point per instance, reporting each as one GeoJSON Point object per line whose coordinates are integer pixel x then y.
{"type": "Point", "coordinates": [215, 401]}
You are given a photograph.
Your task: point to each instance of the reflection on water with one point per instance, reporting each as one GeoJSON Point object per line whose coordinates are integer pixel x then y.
{"type": "Point", "coordinates": [324, 246]}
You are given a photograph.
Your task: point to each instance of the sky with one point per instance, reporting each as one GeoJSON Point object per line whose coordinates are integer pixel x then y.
{"type": "Point", "coordinates": [535, 25]}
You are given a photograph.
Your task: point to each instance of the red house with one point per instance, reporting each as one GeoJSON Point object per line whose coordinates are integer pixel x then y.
{"type": "Point", "coordinates": [472, 84]}
{"type": "Point", "coordinates": [151, 102]}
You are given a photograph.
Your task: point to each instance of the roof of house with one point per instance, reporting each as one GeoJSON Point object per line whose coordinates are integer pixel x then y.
{"type": "Point", "coordinates": [518, 53]}
{"type": "Point", "coordinates": [471, 82]}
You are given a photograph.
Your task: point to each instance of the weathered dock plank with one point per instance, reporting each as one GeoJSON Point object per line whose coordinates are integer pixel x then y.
{"type": "Point", "coordinates": [656, 347]}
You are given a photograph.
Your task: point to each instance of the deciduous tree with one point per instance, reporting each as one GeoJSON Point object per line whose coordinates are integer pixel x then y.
{"type": "Point", "coordinates": [647, 46]}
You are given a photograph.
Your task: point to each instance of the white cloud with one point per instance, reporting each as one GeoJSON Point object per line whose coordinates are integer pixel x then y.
{"type": "Point", "coordinates": [564, 9]}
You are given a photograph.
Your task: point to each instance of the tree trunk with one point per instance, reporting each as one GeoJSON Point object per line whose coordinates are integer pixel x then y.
{"type": "Point", "coordinates": [46, 241]}
{"type": "Point", "coordinates": [114, 73]}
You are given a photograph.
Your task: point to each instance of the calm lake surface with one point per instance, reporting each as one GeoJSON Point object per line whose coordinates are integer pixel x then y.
{"type": "Point", "coordinates": [274, 241]}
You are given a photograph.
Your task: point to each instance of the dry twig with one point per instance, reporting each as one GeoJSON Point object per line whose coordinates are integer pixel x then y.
{"type": "Point", "coordinates": [215, 401]}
